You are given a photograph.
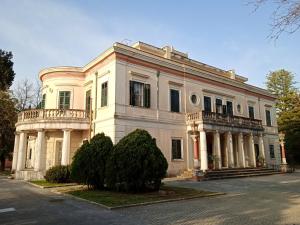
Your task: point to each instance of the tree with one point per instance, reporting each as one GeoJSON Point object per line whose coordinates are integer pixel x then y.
{"type": "Point", "coordinates": [7, 73]}
{"type": "Point", "coordinates": [136, 164]}
{"type": "Point", "coordinates": [89, 162]}
{"type": "Point", "coordinates": [7, 120]}
{"type": "Point", "coordinates": [25, 94]}
{"type": "Point", "coordinates": [285, 17]}
{"type": "Point", "coordinates": [281, 83]}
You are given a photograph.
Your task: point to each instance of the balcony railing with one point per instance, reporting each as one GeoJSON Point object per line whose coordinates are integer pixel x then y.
{"type": "Point", "coordinates": [53, 114]}
{"type": "Point", "coordinates": [225, 120]}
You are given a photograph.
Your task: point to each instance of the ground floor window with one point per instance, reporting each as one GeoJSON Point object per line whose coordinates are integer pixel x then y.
{"type": "Point", "coordinates": [176, 148]}
{"type": "Point", "coordinates": [271, 149]}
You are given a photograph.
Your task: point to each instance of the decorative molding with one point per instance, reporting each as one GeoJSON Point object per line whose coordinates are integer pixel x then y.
{"type": "Point", "coordinates": [218, 93]}
{"type": "Point", "coordinates": [140, 75]}
{"type": "Point", "coordinates": [88, 83]}
{"type": "Point", "coordinates": [175, 83]}
{"type": "Point", "coordinates": [268, 106]}
{"type": "Point", "coordinates": [103, 74]}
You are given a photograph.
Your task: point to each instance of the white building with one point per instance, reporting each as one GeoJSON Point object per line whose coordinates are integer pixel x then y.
{"type": "Point", "coordinates": [195, 111]}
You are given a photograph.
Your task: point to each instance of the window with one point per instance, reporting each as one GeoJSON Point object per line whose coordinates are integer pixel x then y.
{"type": "Point", "coordinates": [64, 99]}
{"type": "Point", "coordinates": [176, 149]}
{"type": "Point", "coordinates": [30, 153]}
{"type": "Point", "coordinates": [88, 100]}
{"type": "Point", "coordinates": [194, 99]}
{"type": "Point", "coordinates": [219, 105]}
{"type": "Point", "coordinates": [174, 99]}
{"type": "Point", "coordinates": [239, 108]}
{"type": "Point", "coordinates": [104, 90]}
{"type": "Point", "coordinates": [229, 108]}
{"type": "Point", "coordinates": [43, 101]}
{"type": "Point", "coordinates": [251, 112]}
{"type": "Point", "coordinates": [207, 104]}
{"type": "Point", "coordinates": [268, 118]}
{"type": "Point", "coordinates": [139, 94]}
{"type": "Point", "coordinates": [271, 149]}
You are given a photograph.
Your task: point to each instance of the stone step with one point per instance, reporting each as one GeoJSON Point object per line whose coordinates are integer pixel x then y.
{"type": "Point", "coordinates": [242, 175]}
{"type": "Point", "coordinates": [237, 172]}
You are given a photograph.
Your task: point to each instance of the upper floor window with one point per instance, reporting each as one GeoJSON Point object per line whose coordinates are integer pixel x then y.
{"type": "Point", "coordinates": [229, 108]}
{"type": "Point", "coordinates": [271, 149]}
{"type": "Point", "coordinates": [176, 149]}
{"type": "Point", "coordinates": [88, 100]}
{"type": "Point", "coordinates": [104, 91]}
{"type": "Point", "coordinates": [251, 112]}
{"type": "Point", "coordinates": [219, 107]}
{"type": "Point", "coordinates": [64, 99]}
{"type": "Point", "coordinates": [139, 94]}
{"type": "Point", "coordinates": [43, 101]}
{"type": "Point", "coordinates": [175, 100]}
{"type": "Point", "coordinates": [268, 118]}
{"type": "Point", "coordinates": [207, 104]}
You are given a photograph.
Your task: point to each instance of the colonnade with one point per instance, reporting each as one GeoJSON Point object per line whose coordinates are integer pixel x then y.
{"type": "Point", "coordinates": [233, 155]}
{"type": "Point", "coordinates": [20, 148]}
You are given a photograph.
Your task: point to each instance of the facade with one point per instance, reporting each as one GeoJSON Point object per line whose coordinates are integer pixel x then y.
{"type": "Point", "coordinates": [201, 116]}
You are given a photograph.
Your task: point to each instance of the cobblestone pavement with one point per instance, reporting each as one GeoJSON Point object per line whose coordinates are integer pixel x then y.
{"type": "Point", "coordinates": [258, 200]}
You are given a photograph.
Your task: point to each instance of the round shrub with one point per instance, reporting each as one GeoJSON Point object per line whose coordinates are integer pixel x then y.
{"type": "Point", "coordinates": [88, 166]}
{"type": "Point", "coordinates": [136, 164]}
{"type": "Point", "coordinates": [58, 174]}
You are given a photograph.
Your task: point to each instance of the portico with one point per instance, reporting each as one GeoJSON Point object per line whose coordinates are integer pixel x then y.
{"type": "Point", "coordinates": [39, 144]}
{"type": "Point", "coordinates": [224, 144]}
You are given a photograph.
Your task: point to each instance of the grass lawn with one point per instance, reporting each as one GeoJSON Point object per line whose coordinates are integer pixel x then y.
{"type": "Point", "coordinates": [117, 199]}
{"type": "Point", "coordinates": [45, 183]}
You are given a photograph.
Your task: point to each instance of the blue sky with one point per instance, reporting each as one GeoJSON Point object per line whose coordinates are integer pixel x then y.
{"type": "Point", "coordinates": [224, 34]}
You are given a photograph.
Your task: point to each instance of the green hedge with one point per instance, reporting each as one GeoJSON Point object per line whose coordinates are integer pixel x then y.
{"type": "Point", "coordinates": [89, 162]}
{"type": "Point", "coordinates": [136, 164]}
{"type": "Point", "coordinates": [58, 174]}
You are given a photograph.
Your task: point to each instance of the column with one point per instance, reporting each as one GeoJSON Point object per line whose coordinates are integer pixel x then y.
{"type": "Point", "coordinates": [261, 148]}
{"type": "Point", "coordinates": [241, 151]}
{"type": "Point", "coordinates": [283, 157]}
{"type": "Point", "coordinates": [15, 154]}
{"type": "Point", "coordinates": [252, 151]}
{"type": "Point", "coordinates": [217, 146]}
{"type": "Point", "coordinates": [40, 160]}
{"type": "Point", "coordinates": [22, 151]}
{"type": "Point", "coordinates": [230, 149]}
{"type": "Point", "coordinates": [66, 147]}
{"type": "Point", "coordinates": [195, 139]}
{"type": "Point", "coordinates": [203, 151]}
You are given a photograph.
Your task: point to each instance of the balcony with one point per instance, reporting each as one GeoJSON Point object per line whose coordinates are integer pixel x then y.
{"type": "Point", "coordinates": [53, 119]}
{"type": "Point", "coordinates": [53, 114]}
{"type": "Point", "coordinates": [213, 118]}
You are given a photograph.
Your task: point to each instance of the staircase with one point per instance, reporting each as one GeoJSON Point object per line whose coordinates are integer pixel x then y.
{"type": "Point", "coordinates": [187, 174]}
{"type": "Point", "coordinates": [238, 173]}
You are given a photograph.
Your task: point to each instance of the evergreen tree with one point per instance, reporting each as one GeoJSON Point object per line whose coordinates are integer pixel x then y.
{"type": "Point", "coordinates": [7, 73]}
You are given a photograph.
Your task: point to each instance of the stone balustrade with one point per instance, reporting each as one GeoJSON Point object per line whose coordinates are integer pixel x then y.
{"type": "Point", "coordinates": [52, 114]}
{"type": "Point", "coordinates": [223, 120]}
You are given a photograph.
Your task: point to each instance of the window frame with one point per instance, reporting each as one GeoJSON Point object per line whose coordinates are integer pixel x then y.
{"type": "Point", "coordinates": [221, 105]}
{"type": "Point", "coordinates": [251, 106]}
{"type": "Point", "coordinates": [43, 102]}
{"type": "Point", "coordinates": [104, 103]}
{"type": "Point", "coordinates": [145, 95]}
{"type": "Point", "coordinates": [59, 98]}
{"type": "Point", "coordinates": [181, 149]}
{"type": "Point", "coordinates": [268, 119]}
{"type": "Point", "coordinates": [170, 99]}
{"type": "Point", "coordinates": [86, 100]}
{"type": "Point", "coordinates": [210, 105]}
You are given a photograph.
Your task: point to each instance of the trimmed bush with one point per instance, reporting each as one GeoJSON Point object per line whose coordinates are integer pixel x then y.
{"type": "Point", "coordinates": [88, 166]}
{"type": "Point", "coordinates": [58, 174]}
{"type": "Point", "coordinates": [136, 164]}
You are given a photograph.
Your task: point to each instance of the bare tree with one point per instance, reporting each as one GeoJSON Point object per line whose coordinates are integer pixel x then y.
{"type": "Point", "coordinates": [285, 17]}
{"type": "Point", "coordinates": [25, 94]}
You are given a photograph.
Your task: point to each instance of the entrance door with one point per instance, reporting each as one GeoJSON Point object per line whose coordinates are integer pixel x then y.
{"type": "Point", "coordinates": [58, 152]}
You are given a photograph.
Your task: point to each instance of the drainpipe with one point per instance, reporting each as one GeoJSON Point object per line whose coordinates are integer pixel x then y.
{"type": "Point", "coordinates": [96, 98]}
{"type": "Point", "coordinates": [157, 94]}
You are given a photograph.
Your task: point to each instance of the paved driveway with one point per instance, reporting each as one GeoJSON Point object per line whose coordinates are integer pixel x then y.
{"type": "Point", "coordinates": [261, 200]}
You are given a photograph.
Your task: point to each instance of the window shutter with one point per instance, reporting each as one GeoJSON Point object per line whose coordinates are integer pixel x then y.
{"type": "Point", "coordinates": [131, 91]}
{"type": "Point", "coordinates": [224, 109]}
{"type": "Point", "coordinates": [147, 95]}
